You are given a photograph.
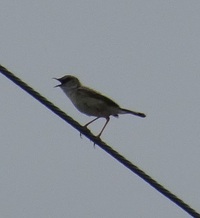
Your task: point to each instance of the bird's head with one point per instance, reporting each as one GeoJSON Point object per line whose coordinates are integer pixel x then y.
{"type": "Point", "coordinates": [68, 82]}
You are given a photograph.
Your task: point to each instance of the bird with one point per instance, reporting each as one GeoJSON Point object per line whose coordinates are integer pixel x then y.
{"type": "Point", "coordinates": [91, 102]}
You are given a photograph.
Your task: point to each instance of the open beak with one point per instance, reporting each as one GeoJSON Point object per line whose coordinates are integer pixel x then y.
{"type": "Point", "coordinates": [57, 85]}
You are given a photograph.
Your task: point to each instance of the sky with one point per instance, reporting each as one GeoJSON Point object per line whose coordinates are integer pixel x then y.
{"type": "Point", "coordinates": [142, 54]}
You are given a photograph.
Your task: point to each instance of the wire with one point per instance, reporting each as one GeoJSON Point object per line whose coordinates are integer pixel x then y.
{"type": "Point", "coordinates": [99, 142]}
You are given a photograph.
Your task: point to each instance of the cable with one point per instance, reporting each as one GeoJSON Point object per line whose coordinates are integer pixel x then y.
{"type": "Point", "coordinates": [99, 142]}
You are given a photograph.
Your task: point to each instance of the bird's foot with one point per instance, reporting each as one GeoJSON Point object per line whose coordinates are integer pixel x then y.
{"type": "Point", "coordinates": [85, 126]}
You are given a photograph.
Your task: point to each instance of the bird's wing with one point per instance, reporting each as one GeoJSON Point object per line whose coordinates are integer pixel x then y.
{"type": "Point", "coordinates": [96, 95]}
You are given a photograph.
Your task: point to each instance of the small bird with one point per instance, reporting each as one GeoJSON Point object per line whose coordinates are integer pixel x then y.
{"type": "Point", "coordinates": [91, 102]}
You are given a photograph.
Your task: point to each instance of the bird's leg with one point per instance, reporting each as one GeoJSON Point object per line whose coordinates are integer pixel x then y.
{"type": "Point", "coordinates": [107, 120]}
{"type": "Point", "coordinates": [87, 124]}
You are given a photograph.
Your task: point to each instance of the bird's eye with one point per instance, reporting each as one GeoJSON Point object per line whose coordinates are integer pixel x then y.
{"type": "Point", "coordinates": [66, 80]}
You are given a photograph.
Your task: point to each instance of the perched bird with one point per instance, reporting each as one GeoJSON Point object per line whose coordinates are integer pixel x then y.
{"type": "Point", "coordinates": [90, 102]}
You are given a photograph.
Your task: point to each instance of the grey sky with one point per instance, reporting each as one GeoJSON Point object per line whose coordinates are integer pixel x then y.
{"type": "Point", "coordinates": [144, 55]}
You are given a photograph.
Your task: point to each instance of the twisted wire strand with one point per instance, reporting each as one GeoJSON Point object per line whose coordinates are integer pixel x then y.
{"type": "Point", "coordinates": [99, 142]}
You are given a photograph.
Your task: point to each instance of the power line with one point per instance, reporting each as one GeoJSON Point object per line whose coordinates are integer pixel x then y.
{"type": "Point", "coordinates": [99, 142]}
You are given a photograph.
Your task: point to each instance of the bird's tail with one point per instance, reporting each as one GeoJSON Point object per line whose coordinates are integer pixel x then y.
{"type": "Point", "coordinates": [125, 111]}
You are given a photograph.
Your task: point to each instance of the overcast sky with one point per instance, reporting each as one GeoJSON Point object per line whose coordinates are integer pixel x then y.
{"type": "Point", "coordinates": [143, 54]}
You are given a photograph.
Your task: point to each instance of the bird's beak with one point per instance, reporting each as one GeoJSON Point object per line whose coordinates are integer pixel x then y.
{"type": "Point", "coordinates": [57, 85]}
